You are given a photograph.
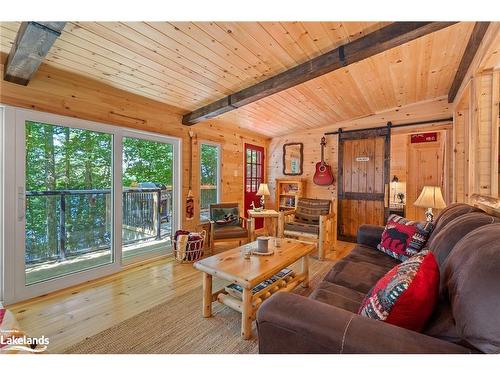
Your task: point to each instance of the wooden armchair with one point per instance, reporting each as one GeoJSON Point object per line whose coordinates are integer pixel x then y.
{"type": "Point", "coordinates": [314, 220]}
{"type": "Point", "coordinates": [226, 224]}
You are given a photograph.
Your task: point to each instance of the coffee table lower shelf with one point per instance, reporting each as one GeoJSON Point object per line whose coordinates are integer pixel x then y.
{"type": "Point", "coordinates": [249, 303]}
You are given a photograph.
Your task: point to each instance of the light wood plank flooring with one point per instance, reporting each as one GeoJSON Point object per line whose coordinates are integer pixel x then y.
{"type": "Point", "coordinates": [71, 315]}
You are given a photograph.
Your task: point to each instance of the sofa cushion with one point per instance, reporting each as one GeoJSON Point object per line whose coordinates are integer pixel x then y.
{"type": "Point", "coordinates": [229, 231]}
{"type": "Point", "coordinates": [308, 210]}
{"type": "Point", "coordinates": [355, 275]}
{"type": "Point", "coordinates": [448, 214]}
{"type": "Point", "coordinates": [367, 254]}
{"type": "Point", "coordinates": [472, 280]}
{"type": "Point", "coordinates": [442, 324]}
{"type": "Point", "coordinates": [337, 295]}
{"type": "Point", "coordinates": [295, 226]}
{"type": "Point", "coordinates": [406, 295]}
{"type": "Point", "coordinates": [403, 238]}
{"type": "Point", "coordinates": [443, 243]}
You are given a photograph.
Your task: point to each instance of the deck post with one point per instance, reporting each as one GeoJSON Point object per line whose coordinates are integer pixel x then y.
{"type": "Point", "coordinates": [158, 214]}
{"type": "Point", "coordinates": [62, 226]}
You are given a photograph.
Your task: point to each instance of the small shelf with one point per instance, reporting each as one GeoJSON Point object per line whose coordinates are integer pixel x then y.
{"type": "Point", "coordinates": [287, 193]}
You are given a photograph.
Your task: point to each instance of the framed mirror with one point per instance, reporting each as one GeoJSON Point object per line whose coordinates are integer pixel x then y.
{"type": "Point", "coordinates": [293, 159]}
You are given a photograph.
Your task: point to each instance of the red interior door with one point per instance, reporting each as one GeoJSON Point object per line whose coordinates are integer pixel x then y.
{"type": "Point", "coordinates": [254, 175]}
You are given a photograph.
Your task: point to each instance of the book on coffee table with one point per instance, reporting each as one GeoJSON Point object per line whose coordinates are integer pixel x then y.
{"type": "Point", "coordinates": [236, 291]}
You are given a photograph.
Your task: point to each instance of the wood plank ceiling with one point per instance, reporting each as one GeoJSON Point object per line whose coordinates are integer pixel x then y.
{"type": "Point", "coordinates": [189, 65]}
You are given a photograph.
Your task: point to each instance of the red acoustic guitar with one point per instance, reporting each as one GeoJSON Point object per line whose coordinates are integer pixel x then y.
{"type": "Point", "coordinates": [323, 175]}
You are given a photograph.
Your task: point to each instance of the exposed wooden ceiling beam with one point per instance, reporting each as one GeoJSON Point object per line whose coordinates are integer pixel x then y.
{"type": "Point", "coordinates": [470, 51]}
{"type": "Point", "coordinates": [33, 42]}
{"type": "Point", "coordinates": [374, 43]}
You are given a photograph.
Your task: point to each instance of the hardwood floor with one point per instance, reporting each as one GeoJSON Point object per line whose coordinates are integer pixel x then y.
{"type": "Point", "coordinates": [69, 316]}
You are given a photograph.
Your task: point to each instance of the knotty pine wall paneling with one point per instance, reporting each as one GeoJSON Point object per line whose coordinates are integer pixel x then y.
{"type": "Point", "coordinates": [63, 93]}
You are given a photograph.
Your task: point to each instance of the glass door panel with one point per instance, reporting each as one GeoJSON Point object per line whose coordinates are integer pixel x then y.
{"type": "Point", "coordinates": [68, 222]}
{"type": "Point", "coordinates": [147, 197]}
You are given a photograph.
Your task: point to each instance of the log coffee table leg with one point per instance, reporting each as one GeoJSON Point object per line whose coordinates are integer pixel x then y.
{"type": "Point", "coordinates": [207, 295]}
{"type": "Point", "coordinates": [246, 314]}
{"type": "Point", "coordinates": [305, 270]}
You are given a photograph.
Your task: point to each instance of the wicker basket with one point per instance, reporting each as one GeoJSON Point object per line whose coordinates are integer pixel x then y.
{"type": "Point", "coordinates": [189, 250]}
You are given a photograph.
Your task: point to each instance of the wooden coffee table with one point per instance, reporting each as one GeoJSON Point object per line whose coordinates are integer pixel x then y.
{"type": "Point", "coordinates": [232, 266]}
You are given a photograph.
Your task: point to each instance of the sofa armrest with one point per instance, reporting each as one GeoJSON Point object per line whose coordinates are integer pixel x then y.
{"type": "Point", "coordinates": [289, 323]}
{"type": "Point", "coordinates": [369, 235]}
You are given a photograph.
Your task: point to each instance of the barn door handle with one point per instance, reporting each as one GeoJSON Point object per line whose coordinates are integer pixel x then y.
{"type": "Point", "coordinates": [21, 203]}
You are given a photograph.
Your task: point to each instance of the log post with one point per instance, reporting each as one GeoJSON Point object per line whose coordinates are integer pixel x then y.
{"type": "Point", "coordinates": [207, 295]}
{"type": "Point", "coordinates": [246, 314]}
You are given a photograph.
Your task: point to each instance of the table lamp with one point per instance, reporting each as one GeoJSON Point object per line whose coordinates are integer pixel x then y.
{"type": "Point", "coordinates": [263, 191]}
{"type": "Point", "coordinates": [430, 198]}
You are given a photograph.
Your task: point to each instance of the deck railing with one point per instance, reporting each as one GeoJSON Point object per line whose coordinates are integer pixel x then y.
{"type": "Point", "coordinates": [208, 196]}
{"type": "Point", "coordinates": [61, 224]}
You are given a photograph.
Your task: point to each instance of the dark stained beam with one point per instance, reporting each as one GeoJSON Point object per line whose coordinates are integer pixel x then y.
{"type": "Point", "coordinates": [374, 43]}
{"type": "Point", "coordinates": [33, 42]}
{"type": "Point", "coordinates": [470, 51]}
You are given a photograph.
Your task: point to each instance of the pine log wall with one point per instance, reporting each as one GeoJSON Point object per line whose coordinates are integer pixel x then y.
{"type": "Point", "coordinates": [63, 93]}
{"type": "Point", "coordinates": [426, 110]}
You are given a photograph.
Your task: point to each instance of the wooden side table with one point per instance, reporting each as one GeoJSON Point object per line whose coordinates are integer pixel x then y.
{"type": "Point", "coordinates": [275, 216]}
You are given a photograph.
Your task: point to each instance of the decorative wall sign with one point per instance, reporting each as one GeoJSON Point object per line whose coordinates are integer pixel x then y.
{"type": "Point", "coordinates": [362, 158]}
{"type": "Point", "coordinates": [424, 137]}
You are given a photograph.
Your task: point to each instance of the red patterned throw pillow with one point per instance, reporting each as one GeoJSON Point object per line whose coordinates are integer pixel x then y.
{"type": "Point", "coordinates": [406, 295]}
{"type": "Point", "coordinates": [403, 238]}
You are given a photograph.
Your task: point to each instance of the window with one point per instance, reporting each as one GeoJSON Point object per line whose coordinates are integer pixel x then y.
{"type": "Point", "coordinates": [209, 177]}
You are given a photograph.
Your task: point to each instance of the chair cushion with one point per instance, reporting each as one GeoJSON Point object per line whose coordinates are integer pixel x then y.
{"type": "Point", "coordinates": [406, 296]}
{"type": "Point", "coordinates": [337, 295]}
{"type": "Point", "coordinates": [403, 238]}
{"type": "Point", "coordinates": [225, 214]}
{"type": "Point", "coordinates": [295, 226]}
{"type": "Point", "coordinates": [358, 276]}
{"type": "Point", "coordinates": [229, 231]}
{"type": "Point", "coordinates": [308, 210]}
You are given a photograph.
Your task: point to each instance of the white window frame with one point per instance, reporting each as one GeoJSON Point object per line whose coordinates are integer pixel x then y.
{"type": "Point", "coordinates": [2, 173]}
{"type": "Point", "coordinates": [219, 170]}
{"type": "Point", "coordinates": [14, 288]}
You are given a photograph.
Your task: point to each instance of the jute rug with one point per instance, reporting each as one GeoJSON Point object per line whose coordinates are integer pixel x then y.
{"type": "Point", "coordinates": [178, 327]}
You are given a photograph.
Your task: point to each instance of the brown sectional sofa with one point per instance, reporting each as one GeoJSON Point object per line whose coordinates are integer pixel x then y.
{"type": "Point", "coordinates": [466, 244]}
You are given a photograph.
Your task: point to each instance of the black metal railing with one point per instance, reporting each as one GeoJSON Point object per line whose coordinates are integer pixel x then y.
{"type": "Point", "coordinates": [65, 223]}
{"type": "Point", "coordinates": [208, 196]}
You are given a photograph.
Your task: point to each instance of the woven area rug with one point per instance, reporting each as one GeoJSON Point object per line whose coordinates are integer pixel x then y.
{"type": "Point", "coordinates": [178, 327]}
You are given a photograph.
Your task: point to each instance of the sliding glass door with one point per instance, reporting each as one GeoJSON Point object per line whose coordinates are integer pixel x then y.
{"type": "Point", "coordinates": [85, 199]}
{"type": "Point", "coordinates": [69, 180]}
{"type": "Point", "coordinates": [147, 208]}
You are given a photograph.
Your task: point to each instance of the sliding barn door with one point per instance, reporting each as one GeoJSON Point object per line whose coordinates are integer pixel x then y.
{"type": "Point", "coordinates": [363, 180]}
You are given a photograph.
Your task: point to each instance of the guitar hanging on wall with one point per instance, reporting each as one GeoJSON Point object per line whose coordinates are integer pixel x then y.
{"type": "Point", "coordinates": [323, 175]}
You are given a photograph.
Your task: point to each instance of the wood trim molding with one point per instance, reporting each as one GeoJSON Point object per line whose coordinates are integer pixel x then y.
{"type": "Point", "coordinates": [374, 43]}
{"type": "Point", "coordinates": [470, 51]}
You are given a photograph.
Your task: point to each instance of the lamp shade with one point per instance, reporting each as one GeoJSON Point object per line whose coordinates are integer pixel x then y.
{"type": "Point", "coordinates": [430, 197]}
{"type": "Point", "coordinates": [263, 190]}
